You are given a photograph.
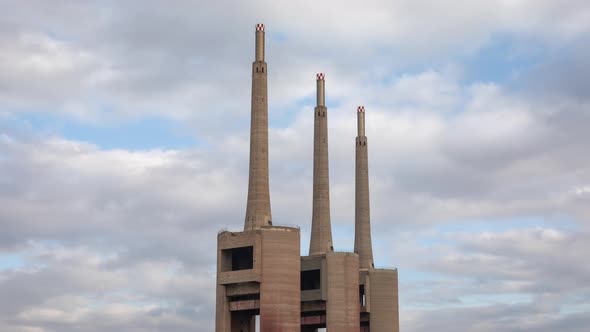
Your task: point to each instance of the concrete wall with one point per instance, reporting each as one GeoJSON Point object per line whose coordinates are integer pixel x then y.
{"type": "Point", "coordinates": [275, 275]}
{"type": "Point", "coordinates": [228, 240]}
{"type": "Point", "coordinates": [280, 301]}
{"type": "Point", "coordinates": [383, 299]}
{"type": "Point", "coordinates": [222, 313]}
{"type": "Point", "coordinates": [342, 307]}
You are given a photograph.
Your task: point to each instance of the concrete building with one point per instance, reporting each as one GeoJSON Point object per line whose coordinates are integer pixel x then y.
{"type": "Point", "coordinates": [329, 280]}
{"type": "Point", "coordinates": [378, 287]}
{"type": "Point", "coordinates": [260, 271]}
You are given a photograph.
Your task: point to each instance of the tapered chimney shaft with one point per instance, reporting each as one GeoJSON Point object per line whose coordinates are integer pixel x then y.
{"type": "Point", "coordinates": [321, 229]}
{"type": "Point", "coordinates": [258, 208]}
{"type": "Point", "coordinates": [362, 235]}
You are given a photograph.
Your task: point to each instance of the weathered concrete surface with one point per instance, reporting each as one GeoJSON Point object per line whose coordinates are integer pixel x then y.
{"type": "Point", "coordinates": [244, 305]}
{"type": "Point", "coordinates": [222, 312]}
{"type": "Point", "coordinates": [272, 285]}
{"type": "Point", "coordinates": [245, 288]}
{"type": "Point", "coordinates": [342, 307]}
{"type": "Point", "coordinates": [321, 229]}
{"type": "Point", "coordinates": [225, 320]}
{"type": "Point", "coordinates": [384, 316]}
{"type": "Point", "coordinates": [280, 304]}
{"type": "Point", "coordinates": [362, 216]}
{"type": "Point", "coordinates": [258, 207]}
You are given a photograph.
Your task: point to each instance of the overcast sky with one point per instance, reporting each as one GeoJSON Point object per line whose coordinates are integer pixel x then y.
{"type": "Point", "coordinates": [124, 149]}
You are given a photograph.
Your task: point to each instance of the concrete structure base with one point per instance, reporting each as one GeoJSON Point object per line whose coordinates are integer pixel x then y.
{"type": "Point", "coordinates": [258, 272]}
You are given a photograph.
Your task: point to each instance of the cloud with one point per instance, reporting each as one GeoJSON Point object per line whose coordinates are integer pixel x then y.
{"type": "Point", "coordinates": [517, 280]}
{"type": "Point", "coordinates": [123, 216]}
{"type": "Point", "coordinates": [132, 58]}
{"type": "Point", "coordinates": [121, 239]}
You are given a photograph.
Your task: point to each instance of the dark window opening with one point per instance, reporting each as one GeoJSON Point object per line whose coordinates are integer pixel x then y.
{"type": "Point", "coordinates": [313, 313]}
{"type": "Point", "coordinates": [362, 296]}
{"type": "Point", "coordinates": [245, 297]}
{"type": "Point", "coordinates": [310, 280]}
{"type": "Point", "coordinates": [236, 259]}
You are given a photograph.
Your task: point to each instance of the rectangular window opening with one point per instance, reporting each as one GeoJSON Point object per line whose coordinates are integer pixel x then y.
{"type": "Point", "coordinates": [237, 259]}
{"type": "Point", "coordinates": [310, 280]}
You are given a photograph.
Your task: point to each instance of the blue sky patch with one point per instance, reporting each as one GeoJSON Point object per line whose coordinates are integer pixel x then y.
{"type": "Point", "coordinates": [11, 262]}
{"type": "Point", "coordinates": [137, 134]}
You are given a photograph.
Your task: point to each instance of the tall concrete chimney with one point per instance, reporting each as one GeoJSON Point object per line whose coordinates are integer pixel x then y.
{"type": "Point", "coordinates": [258, 207]}
{"type": "Point", "coordinates": [362, 224]}
{"type": "Point", "coordinates": [321, 229]}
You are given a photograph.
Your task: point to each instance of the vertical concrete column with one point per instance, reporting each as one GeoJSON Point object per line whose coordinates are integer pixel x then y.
{"type": "Point", "coordinates": [321, 229]}
{"type": "Point", "coordinates": [342, 307]}
{"type": "Point", "coordinates": [384, 301]}
{"type": "Point", "coordinates": [280, 288]}
{"type": "Point", "coordinates": [222, 313]}
{"type": "Point", "coordinates": [258, 207]}
{"type": "Point", "coordinates": [362, 236]}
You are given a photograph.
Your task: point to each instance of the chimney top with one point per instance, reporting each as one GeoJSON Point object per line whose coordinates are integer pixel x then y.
{"type": "Point", "coordinates": [259, 27]}
{"type": "Point", "coordinates": [361, 109]}
{"type": "Point", "coordinates": [321, 86]}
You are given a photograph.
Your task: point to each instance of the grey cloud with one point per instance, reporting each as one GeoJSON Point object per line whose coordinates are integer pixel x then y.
{"type": "Point", "coordinates": [517, 318]}
{"type": "Point", "coordinates": [519, 280]}
{"type": "Point", "coordinates": [149, 207]}
{"type": "Point", "coordinates": [565, 72]}
{"type": "Point", "coordinates": [439, 152]}
{"type": "Point", "coordinates": [169, 60]}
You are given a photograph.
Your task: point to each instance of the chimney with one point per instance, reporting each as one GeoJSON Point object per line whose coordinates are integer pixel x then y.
{"type": "Point", "coordinates": [321, 229]}
{"type": "Point", "coordinates": [362, 224]}
{"type": "Point", "coordinates": [259, 43]}
{"type": "Point", "coordinates": [258, 206]}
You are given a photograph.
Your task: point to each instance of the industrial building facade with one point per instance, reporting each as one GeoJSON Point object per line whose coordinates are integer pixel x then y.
{"type": "Point", "coordinates": [260, 271]}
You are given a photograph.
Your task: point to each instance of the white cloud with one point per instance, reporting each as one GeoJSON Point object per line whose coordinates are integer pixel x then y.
{"type": "Point", "coordinates": [124, 238]}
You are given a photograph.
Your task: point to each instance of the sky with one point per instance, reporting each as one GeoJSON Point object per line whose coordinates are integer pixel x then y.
{"type": "Point", "coordinates": [124, 129]}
